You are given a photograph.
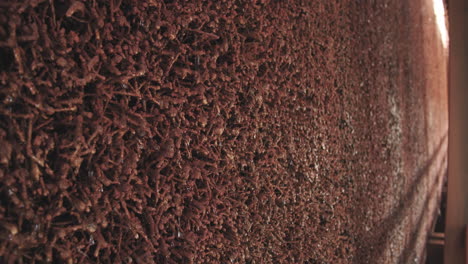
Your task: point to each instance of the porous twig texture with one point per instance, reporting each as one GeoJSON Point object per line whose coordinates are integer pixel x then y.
{"type": "Point", "coordinates": [204, 131]}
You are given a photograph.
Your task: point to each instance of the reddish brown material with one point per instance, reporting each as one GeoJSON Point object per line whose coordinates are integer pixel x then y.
{"type": "Point", "coordinates": [457, 197]}
{"type": "Point", "coordinates": [208, 132]}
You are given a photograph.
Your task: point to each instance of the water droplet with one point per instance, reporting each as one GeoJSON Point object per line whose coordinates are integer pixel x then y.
{"type": "Point", "coordinates": [91, 240]}
{"type": "Point", "coordinates": [9, 99]}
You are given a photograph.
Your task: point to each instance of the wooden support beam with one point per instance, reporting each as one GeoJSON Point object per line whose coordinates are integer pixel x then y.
{"type": "Point", "coordinates": [435, 248]}
{"type": "Point", "coordinates": [457, 200]}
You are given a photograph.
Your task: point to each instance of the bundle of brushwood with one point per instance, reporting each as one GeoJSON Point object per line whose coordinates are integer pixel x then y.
{"type": "Point", "coordinates": [180, 132]}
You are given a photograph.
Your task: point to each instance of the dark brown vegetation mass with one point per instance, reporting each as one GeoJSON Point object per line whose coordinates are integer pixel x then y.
{"type": "Point", "coordinates": [207, 131]}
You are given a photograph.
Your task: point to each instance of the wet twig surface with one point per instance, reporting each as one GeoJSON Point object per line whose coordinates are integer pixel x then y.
{"type": "Point", "coordinates": [202, 132]}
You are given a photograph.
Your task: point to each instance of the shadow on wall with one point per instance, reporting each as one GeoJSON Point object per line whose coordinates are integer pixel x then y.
{"type": "Point", "coordinates": [382, 232]}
